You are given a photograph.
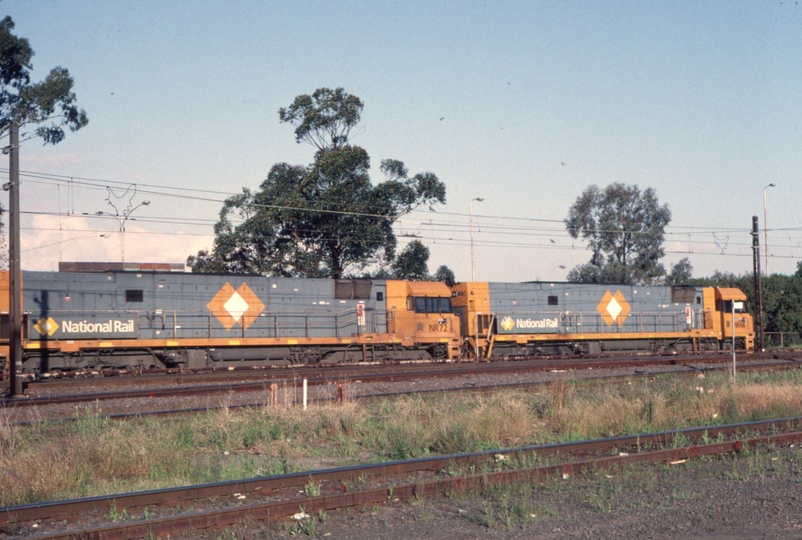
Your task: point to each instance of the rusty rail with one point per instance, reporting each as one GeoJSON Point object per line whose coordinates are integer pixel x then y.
{"type": "Point", "coordinates": [384, 376]}
{"type": "Point", "coordinates": [339, 496]}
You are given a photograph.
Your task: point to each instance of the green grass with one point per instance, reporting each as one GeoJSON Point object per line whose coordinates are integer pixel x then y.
{"type": "Point", "coordinates": [95, 455]}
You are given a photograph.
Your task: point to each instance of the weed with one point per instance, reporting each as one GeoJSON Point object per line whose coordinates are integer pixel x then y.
{"type": "Point", "coordinates": [681, 495]}
{"type": "Point", "coordinates": [425, 513]}
{"type": "Point", "coordinates": [312, 488]}
{"type": "Point", "coordinates": [115, 516]}
{"type": "Point", "coordinates": [486, 516]}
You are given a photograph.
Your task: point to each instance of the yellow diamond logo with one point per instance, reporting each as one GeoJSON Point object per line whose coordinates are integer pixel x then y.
{"type": "Point", "coordinates": [507, 323]}
{"type": "Point", "coordinates": [614, 308]}
{"type": "Point", "coordinates": [240, 306]}
{"type": "Point", "coordinates": [46, 326]}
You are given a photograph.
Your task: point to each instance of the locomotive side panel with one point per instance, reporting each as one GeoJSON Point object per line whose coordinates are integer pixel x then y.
{"type": "Point", "coordinates": [152, 319]}
{"type": "Point", "coordinates": [569, 308]}
{"type": "Point", "coordinates": [186, 306]}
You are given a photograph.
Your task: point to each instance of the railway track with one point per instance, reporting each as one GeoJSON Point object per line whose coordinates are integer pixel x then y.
{"type": "Point", "coordinates": [349, 377]}
{"type": "Point", "coordinates": [465, 387]}
{"type": "Point", "coordinates": [228, 373]}
{"type": "Point", "coordinates": [220, 505]}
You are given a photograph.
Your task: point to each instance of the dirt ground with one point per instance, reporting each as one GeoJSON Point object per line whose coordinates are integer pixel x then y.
{"type": "Point", "coordinates": [754, 496]}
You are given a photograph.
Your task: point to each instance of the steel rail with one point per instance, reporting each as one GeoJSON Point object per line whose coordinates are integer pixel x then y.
{"type": "Point", "coordinates": [525, 386]}
{"type": "Point", "coordinates": [61, 510]}
{"type": "Point", "coordinates": [185, 391]}
{"type": "Point", "coordinates": [271, 511]}
{"type": "Point", "coordinates": [239, 387]}
{"type": "Point", "coordinates": [225, 373]}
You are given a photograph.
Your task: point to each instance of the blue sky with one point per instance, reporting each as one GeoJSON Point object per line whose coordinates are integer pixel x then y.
{"type": "Point", "coordinates": [522, 103]}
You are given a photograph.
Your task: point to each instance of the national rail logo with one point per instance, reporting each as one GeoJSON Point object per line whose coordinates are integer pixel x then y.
{"type": "Point", "coordinates": [46, 326]}
{"type": "Point", "coordinates": [231, 307]}
{"type": "Point", "coordinates": [614, 308]}
{"type": "Point", "coordinates": [507, 323]}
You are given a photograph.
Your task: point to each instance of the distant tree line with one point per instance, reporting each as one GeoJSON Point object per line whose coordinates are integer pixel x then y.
{"type": "Point", "coordinates": [782, 297]}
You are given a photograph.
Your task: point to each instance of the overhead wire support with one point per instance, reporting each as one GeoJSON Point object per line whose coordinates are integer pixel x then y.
{"type": "Point", "coordinates": [758, 282]}
{"type": "Point", "coordinates": [14, 267]}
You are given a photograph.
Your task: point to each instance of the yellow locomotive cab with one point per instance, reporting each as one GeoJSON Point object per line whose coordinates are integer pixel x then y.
{"type": "Point", "coordinates": [727, 301]}
{"type": "Point", "coordinates": [423, 316]}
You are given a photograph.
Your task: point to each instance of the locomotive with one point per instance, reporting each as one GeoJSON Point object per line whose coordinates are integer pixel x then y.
{"type": "Point", "coordinates": [525, 319]}
{"type": "Point", "coordinates": [97, 316]}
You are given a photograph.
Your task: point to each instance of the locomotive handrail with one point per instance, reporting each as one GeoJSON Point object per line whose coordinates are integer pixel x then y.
{"type": "Point", "coordinates": [303, 324]}
{"type": "Point", "coordinates": [582, 322]}
{"type": "Point", "coordinates": [201, 324]}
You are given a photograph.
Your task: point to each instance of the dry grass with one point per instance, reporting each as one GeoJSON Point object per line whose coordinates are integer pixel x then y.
{"type": "Point", "coordinates": [95, 455]}
{"type": "Point", "coordinates": [752, 398]}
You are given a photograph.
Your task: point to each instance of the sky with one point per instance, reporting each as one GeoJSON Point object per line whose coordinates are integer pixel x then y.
{"type": "Point", "coordinates": [523, 104]}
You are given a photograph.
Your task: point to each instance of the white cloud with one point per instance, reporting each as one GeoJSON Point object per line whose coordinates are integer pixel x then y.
{"type": "Point", "coordinates": [50, 239]}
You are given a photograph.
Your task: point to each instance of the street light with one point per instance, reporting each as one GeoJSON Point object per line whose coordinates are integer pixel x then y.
{"type": "Point", "coordinates": [123, 216]}
{"type": "Point", "coordinates": [470, 213]}
{"type": "Point", "coordinates": [766, 228]}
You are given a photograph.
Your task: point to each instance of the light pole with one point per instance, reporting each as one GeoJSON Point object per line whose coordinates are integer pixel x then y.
{"type": "Point", "coordinates": [123, 216]}
{"type": "Point", "coordinates": [766, 228]}
{"type": "Point", "coordinates": [470, 213]}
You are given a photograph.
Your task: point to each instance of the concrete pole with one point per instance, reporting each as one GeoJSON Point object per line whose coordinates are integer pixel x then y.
{"type": "Point", "coordinates": [470, 214]}
{"type": "Point", "coordinates": [766, 229]}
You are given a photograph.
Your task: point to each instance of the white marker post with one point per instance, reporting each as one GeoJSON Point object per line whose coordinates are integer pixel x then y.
{"type": "Point", "coordinates": [740, 305]}
{"type": "Point", "coordinates": [304, 394]}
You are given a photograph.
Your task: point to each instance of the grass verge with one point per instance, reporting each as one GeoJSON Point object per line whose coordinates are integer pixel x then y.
{"type": "Point", "coordinates": [96, 455]}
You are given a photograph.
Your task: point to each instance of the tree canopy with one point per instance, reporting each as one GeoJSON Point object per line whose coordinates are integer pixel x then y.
{"type": "Point", "coordinates": [324, 119]}
{"type": "Point", "coordinates": [782, 298]}
{"type": "Point", "coordinates": [50, 105]}
{"type": "Point", "coordinates": [681, 273]}
{"type": "Point", "coordinates": [326, 219]}
{"type": "Point", "coordinates": [624, 228]}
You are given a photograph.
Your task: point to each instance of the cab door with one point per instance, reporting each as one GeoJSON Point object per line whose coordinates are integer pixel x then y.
{"type": "Point", "coordinates": [378, 314]}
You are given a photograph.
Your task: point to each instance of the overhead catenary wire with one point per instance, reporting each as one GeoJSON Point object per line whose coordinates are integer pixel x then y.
{"type": "Point", "coordinates": [415, 220]}
{"type": "Point", "coordinates": [405, 224]}
{"type": "Point", "coordinates": [102, 185]}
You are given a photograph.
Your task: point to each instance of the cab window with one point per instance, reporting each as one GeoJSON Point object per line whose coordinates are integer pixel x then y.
{"type": "Point", "coordinates": [431, 305]}
{"type": "Point", "coordinates": [726, 306]}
